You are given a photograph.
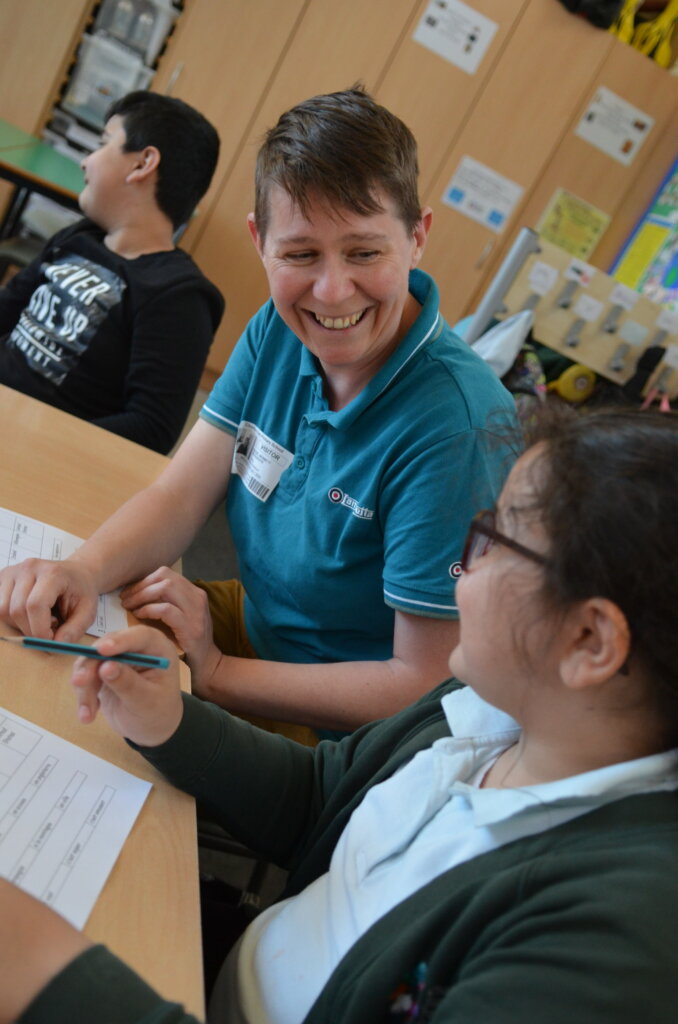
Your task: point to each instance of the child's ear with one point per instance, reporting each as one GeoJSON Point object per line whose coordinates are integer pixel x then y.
{"type": "Point", "coordinates": [597, 642]}
{"type": "Point", "coordinates": [146, 162]}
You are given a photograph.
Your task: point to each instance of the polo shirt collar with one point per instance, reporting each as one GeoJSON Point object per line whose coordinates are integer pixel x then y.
{"type": "Point", "coordinates": [478, 726]}
{"type": "Point", "coordinates": [425, 329]}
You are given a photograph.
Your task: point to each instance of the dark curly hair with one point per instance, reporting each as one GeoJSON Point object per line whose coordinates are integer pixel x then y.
{"type": "Point", "coordinates": [606, 492]}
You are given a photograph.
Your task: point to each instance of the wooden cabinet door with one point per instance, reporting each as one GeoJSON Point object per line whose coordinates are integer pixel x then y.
{"type": "Point", "coordinates": [242, 64]}
{"type": "Point", "coordinates": [542, 75]}
{"type": "Point", "coordinates": [653, 167]}
{"type": "Point", "coordinates": [39, 40]}
{"type": "Point", "coordinates": [221, 59]}
{"type": "Point", "coordinates": [433, 96]}
{"type": "Point", "coordinates": [597, 177]}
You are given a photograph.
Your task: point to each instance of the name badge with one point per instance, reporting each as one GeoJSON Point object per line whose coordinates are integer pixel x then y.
{"type": "Point", "coordinates": [258, 460]}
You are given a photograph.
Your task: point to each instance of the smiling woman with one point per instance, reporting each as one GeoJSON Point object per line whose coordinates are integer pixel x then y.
{"type": "Point", "coordinates": [348, 414]}
{"type": "Point", "coordinates": [339, 280]}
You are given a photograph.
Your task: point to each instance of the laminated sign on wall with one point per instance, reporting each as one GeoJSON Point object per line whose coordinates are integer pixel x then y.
{"type": "Point", "coordinates": [456, 32]}
{"type": "Point", "coordinates": [571, 223]}
{"type": "Point", "coordinates": [482, 194]}
{"type": "Point", "coordinates": [614, 126]}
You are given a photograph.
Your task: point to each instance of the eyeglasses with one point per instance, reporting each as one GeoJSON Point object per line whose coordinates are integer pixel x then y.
{"type": "Point", "coordinates": [482, 535]}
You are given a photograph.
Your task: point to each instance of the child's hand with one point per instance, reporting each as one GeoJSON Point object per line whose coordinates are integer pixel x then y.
{"type": "Point", "coordinates": [166, 596]}
{"type": "Point", "coordinates": [144, 705]}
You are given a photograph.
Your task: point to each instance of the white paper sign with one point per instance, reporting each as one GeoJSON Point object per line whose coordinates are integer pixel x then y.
{"type": "Point", "coordinates": [579, 271]}
{"type": "Point", "coordinates": [64, 816]}
{"type": "Point", "coordinates": [542, 277]}
{"type": "Point", "coordinates": [456, 32]}
{"type": "Point", "coordinates": [22, 537]}
{"type": "Point", "coordinates": [482, 194]}
{"type": "Point", "coordinates": [622, 295]}
{"type": "Point", "coordinates": [670, 357]}
{"type": "Point", "coordinates": [587, 308]}
{"type": "Point", "coordinates": [633, 332]}
{"type": "Point", "coordinates": [668, 321]}
{"type": "Point", "coordinates": [614, 126]}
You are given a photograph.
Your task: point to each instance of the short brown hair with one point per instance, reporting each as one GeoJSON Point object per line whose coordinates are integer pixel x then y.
{"type": "Point", "coordinates": [342, 147]}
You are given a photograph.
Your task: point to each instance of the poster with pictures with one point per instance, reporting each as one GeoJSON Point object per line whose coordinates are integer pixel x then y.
{"type": "Point", "coordinates": [648, 262]}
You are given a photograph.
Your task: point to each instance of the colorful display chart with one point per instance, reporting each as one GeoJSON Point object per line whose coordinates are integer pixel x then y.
{"type": "Point", "coordinates": [648, 263]}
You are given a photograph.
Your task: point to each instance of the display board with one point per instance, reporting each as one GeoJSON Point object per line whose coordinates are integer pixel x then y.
{"type": "Point", "coordinates": [594, 319]}
{"type": "Point", "coordinates": [648, 263]}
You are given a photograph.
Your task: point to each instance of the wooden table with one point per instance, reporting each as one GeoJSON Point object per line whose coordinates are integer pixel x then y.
{"type": "Point", "coordinates": [34, 166]}
{"type": "Point", "coordinates": [66, 472]}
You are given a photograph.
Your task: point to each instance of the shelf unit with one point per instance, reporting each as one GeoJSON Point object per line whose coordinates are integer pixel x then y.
{"type": "Point", "coordinates": [116, 53]}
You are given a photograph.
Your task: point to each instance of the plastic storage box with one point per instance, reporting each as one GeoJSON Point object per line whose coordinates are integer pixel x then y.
{"type": "Point", "coordinates": [140, 24]}
{"type": "Point", "coordinates": [104, 72]}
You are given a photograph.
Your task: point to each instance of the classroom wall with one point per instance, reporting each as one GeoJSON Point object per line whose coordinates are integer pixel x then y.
{"type": "Point", "coordinates": [242, 62]}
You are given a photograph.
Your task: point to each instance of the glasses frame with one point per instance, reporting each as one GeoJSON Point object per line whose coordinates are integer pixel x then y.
{"type": "Point", "coordinates": [480, 525]}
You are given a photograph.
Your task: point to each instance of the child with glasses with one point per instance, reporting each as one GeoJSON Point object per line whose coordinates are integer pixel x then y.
{"type": "Point", "coordinates": [504, 850]}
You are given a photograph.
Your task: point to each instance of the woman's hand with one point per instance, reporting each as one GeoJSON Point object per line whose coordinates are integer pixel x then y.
{"type": "Point", "coordinates": [143, 705]}
{"type": "Point", "coordinates": [48, 599]}
{"type": "Point", "coordinates": [167, 597]}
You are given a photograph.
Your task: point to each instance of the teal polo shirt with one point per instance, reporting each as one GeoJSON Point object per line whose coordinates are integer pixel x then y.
{"type": "Point", "coordinates": [339, 518]}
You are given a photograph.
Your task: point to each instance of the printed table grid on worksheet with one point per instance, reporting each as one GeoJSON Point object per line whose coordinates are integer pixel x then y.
{"type": "Point", "coordinates": [25, 538]}
{"type": "Point", "coordinates": [22, 537]}
{"type": "Point", "coordinates": [63, 816]}
{"type": "Point", "coordinates": [16, 743]}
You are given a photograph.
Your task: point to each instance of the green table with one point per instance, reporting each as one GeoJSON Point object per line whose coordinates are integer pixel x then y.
{"type": "Point", "coordinates": [10, 135]}
{"type": "Point", "coordinates": [34, 166]}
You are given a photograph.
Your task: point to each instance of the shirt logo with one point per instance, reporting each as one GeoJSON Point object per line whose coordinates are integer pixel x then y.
{"type": "Point", "coordinates": [64, 313]}
{"type": "Point", "coordinates": [455, 570]}
{"type": "Point", "coordinates": [337, 497]}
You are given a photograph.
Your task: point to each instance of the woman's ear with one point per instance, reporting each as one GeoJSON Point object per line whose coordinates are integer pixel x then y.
{"type": "Point", "coordinates": [597, 642]}
{"type": "Point", "coordinates": [146, 163]}
{"type": "Point", "coordinates": [420, 235]}
{"type": "Point", "coordinates": [254, 235]}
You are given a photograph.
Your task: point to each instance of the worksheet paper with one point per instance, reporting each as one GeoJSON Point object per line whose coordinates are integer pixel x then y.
{"type": "Point", "coordinates": [64, 816]}
{"type": "Point", "coordinates": [22, 537]}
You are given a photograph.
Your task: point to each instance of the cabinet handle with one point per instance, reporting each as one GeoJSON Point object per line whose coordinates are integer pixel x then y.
{"type": "Point", "coordinates": [487, 249]}
{"type": "Point", "coordinates": [174, 77]}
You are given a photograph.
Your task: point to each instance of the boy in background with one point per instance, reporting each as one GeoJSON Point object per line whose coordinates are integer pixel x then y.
{"type": "Point", "coordinates": [112, 322]}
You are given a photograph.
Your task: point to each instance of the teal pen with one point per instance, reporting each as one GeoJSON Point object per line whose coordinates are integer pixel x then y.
{"type": "Point", "coordinates": [82, 650]}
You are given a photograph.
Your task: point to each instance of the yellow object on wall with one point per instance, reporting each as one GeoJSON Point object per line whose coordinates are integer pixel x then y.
{"type": "Point", "coordinates": [646, 245]}
{"type": "Point", "coordinates": [625, 23]}
{"type": "Point", "coordinates": [651, 37]}
{"type": "Point", "coordinates": [572, 223]}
